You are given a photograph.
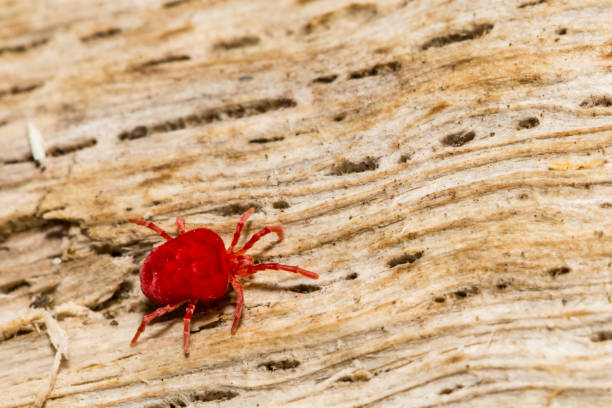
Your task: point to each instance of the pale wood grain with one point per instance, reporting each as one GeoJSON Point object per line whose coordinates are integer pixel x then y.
{"type": "Point", "coordinates": [443, 165]}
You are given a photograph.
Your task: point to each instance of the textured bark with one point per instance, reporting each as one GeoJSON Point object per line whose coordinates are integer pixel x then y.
{"type": "Point", "coordinates": [443, 165]}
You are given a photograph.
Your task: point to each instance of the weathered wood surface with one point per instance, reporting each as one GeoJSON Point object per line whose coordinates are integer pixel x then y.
{"type": "Point", "coordinates": [444, 165]}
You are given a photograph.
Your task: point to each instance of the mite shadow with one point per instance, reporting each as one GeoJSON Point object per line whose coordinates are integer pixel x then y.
{"type": "Point", "coordinates": [207, 315]}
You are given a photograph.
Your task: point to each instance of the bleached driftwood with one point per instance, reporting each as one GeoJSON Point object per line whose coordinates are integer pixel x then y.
{"type": "Point", "coordinates": [444, 166]}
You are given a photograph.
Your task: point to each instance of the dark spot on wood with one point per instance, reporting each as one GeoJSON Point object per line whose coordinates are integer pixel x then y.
{"type": "Point", "coordinates": [439, 299]}
{"type": "Point", "coordinates": [351, 276]}
{"type": "Point", "coordinates": [284, 364]}
{"type": "Point", "coordinates": [459, 138]}
{"type": "Point", "coordinates": [466, 291]}
{"type": "Point", "coordinates": [605, 335]}
{"type": "Point", "coordinates": [101, 34]}
{"type": "Point", "coordinates": [19, 89]}
{"type": "Point", "coordinates": [447, 391]}
{"type": "Point", "coordinates": [24, 89]}
{"type": "Point", "coordinates": [60, 150]}
{"type": "Point", "coordinates": [57, 231]}
{"type": "Point", "coordinates": [605, 205]}
{"type": "Point", "coordinates": [328, 79]}
{"type": "Point", "coordinates": [346, 167]}
{"type": "Point", "coordinates": [352, 12]}
{"type": "Point", "coordinates": [561, 270]}
{"type": "Point", "coordinates": [239, 42]}
{"type": "Point", "coordinates": [114, 323]}
{"type": "Point", "coordinates": [195, 119]}
{"type": "Point", "coordinates": [166, 60]}
{"type": "Point", "coordinates": [107, 249]}
{"type": "Point", "coordinates": [234, 209]}
{"type": "Point", "coordinates": [258, 107]}
{"type": "Point", "coordinates": [405, 259]}
{"type": "Point", "coordinates": [531, 3]}
{"type": "Point", "coordinates": [528, 123]}
{"type": "Point", "coordinates": [169, 126]}
{"type": "Point", "coordinates": [377, 69]}
{"type": "Point", "coordinates": [280, 205]}
{"type": "Point", "coordinates": [235, 111]}
{"type": "Point", "coordinates": [359, 8]}
{"type": "Point", "coordinates": [21, 48]}
{"type": "Point", "coordinates": [404, 158]}
{"type": "Point", "coordinates": [503, 284]}
{"type": "Point", "coordinates": [175, 3]}
{"type": "Point", "coordinates": [13, 286]}
{"type": "Point", "coordinates": [20, 332]}
{"type": "Point", "coordinates": [464, 35]}
{"type": "Point", "coordinates": [340, 117]}
{"type": "Point", "coordinates": [304, 288]}
{"type": "Point", "coordinates": [358, 375]}
{"type": "Point", "coordinates": [213, 395]}
{"type": "Point", "coordinates": [593, 101]}
{"type": "Point", "coordinates": [136, 133]}
{"type": "Point", "coordinates": [561, 31]}
{"type": "Point", "coordinates": [267, 139]}
{"type": "Point", "coordinates": [529, 79]}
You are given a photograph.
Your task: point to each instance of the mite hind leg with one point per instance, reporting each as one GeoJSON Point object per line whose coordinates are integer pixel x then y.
{"type": "Point", "coordinates": [188, 314]}
{"type": "Point", "coordinates": [146, 319]}
{"type": "Point", "coordinates": [239, 302]}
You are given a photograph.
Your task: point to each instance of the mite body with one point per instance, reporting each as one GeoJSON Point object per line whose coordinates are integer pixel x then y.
{"type": "Point", "coordinates": [197, 266]}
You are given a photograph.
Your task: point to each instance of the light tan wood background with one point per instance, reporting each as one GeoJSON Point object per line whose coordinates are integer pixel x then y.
{"type": "Point", "coordinates": [444, 165]}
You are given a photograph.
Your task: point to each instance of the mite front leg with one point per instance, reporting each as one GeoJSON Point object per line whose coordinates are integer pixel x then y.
{"type": "Point", "coordinates": [239, 227]}
{"type": "Point", "coordinates": [152, 226]}
{"type": "Point", "coordinates": [279, 267]}
{"type": "Point", "coordinates": [264, 231]}
{"type": "Point", "coordinates": [239, 302]}
{"type": "Point", "coordinates": [146, 319]}
{"type": "Point", "coordinates": [190, 308]}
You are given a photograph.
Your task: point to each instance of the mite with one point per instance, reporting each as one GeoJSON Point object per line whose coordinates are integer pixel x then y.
{"type": "Point", "coordinates": [197, 266]}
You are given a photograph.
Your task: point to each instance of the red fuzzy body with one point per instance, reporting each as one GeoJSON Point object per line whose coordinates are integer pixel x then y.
{"type": "Point", "coordinates": [191, 266]}
{"type": "Point", "coordinates": [196, 266]}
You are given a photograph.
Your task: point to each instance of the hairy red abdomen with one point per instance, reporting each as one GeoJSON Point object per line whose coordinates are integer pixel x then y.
{"type": "Point", "coordinates": [193, 265]}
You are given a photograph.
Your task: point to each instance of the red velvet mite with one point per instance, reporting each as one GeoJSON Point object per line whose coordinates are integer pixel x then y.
{"type": "Point", "coordinates": [197, 266]}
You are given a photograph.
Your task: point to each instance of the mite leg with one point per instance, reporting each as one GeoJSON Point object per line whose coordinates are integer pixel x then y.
{"type": "Point", "coordinates": [279, 267]}
{"type": "Point", "coordinates": [149, 317]}
{"type": "Point", "coordinates": [180, 223]}
{"type": "Point", "coordinates": [239, 227]}
{"type": "Point", "coordinates": [256, 237]}
{"type": "Point", "coordinates": [190, 308]}
{"type": "Point", "coordinates": [239, 302]}
{"type": "Point", "coordinates": [152, 226]}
